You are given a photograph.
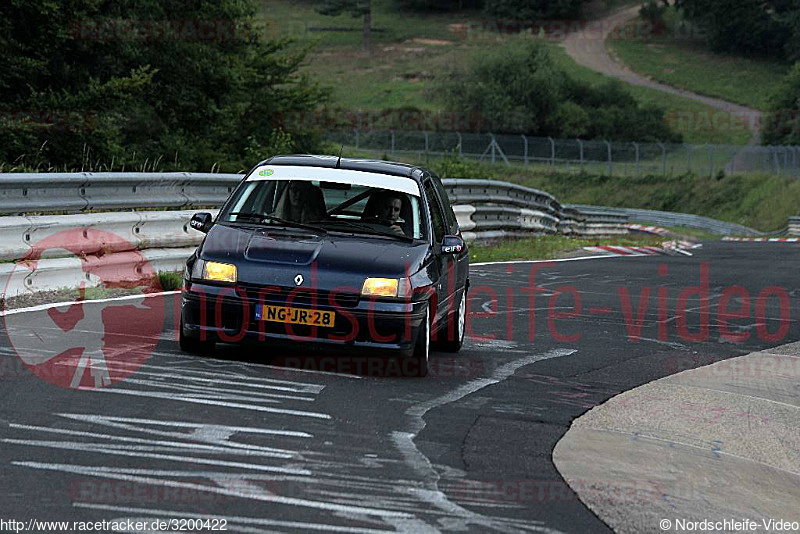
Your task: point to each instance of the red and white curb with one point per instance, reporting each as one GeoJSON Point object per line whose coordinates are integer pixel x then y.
{"type": "Point", "coordinates": [609, 250]}
{"type": "Point", "coordinates": [649, 229]}
{"type": "Point", "coordinates": [764, 239]}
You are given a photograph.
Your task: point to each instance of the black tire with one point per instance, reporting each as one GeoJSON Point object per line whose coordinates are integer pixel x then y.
{"type": "Point", "coordinates": [459, 319]}
{"type": "Point", "coordinates": [422, 348]}
{"type": "Point", "coordinates": [194, 345]}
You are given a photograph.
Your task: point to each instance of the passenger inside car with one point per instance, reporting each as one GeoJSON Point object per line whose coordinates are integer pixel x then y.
{"type": "Point", "coordinates": [301, 202]}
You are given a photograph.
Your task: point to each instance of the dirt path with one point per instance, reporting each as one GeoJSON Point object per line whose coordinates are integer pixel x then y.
{"type": "Point", "coordinates": [592, 53]}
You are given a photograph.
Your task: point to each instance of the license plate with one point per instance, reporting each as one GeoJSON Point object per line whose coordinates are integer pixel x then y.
{"type": "Point", "coordinates": [286, 314]}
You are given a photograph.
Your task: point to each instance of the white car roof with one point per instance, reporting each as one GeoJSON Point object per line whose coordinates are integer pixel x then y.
{"type": "Point", "coordinates": [400, 184]}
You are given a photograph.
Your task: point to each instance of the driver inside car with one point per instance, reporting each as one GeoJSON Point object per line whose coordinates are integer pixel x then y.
{"type": "Point", "coordinates": [388, 210]}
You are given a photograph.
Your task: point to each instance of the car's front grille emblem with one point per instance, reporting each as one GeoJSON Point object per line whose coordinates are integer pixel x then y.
{"type": "Point", "coordinates": [298, 280]}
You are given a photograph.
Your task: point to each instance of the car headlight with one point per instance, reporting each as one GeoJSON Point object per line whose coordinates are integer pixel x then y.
{"type": "Point", "coordinates": [214, 271]}
{"type": "Point", "coordinates": [386, 287]}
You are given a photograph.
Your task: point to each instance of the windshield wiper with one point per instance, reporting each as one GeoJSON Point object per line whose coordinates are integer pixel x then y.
{"type": "Point", "coordinates": [367, 229]}
{"type": "Point", "coordinates": [272, 218]}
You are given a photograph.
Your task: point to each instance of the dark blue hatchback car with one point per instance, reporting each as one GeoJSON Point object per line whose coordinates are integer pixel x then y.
{"type": "Point", "coordinates": [324, 252]}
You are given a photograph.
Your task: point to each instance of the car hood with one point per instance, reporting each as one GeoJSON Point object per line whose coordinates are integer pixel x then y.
{"type": "Point", "coordinates": [275, 256]}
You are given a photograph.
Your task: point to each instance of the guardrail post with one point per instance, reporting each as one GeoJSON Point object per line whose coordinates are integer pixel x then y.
{"type": "Point", "coordinates": [459, 143]}
{"type": "Point", "coordinates": [356, 131]}
{"type": "Point", "coordinates": [663, 159]}
{"type": "Point", "coordinates": [525, 141]}
{"type": "Point", "coordinates": [552, 152]}
{"type": "Point", "coordinates": [638, 161]}
{"type": "Point", "coordinates": [393, 142]}
{"type": "Point", "coordinates": [610, 161]}
{"type": "Point", "coordinates": [580, 147]}
{"type": "Point", "coordinates": [426, 141]}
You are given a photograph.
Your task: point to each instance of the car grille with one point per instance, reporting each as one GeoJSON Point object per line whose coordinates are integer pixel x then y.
{"type": "Point", "coordinates": [281, 295]}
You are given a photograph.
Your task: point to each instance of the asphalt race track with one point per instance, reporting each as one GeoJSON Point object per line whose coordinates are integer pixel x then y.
{"type": "Point", "coordinates": [248, 437]}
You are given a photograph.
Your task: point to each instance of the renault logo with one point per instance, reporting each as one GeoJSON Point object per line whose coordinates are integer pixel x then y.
{"type": "Point", "coordinates": [298, 280]}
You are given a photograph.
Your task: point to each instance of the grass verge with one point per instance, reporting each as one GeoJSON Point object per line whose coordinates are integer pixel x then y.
{"type": "Point", "coordinates": [407, 57]}
{"type": "Point", "coordinates": [677, 58]}
{"type": "Point", "coordinates": [548, 247]}
{"type": "Point", "coordinates": [673, 105]}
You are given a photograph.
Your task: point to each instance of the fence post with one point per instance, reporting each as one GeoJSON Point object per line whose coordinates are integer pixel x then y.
{"type": "Point", "coordinates": [786, 157]}
{"type": "Point", "coordinates": [638, 161]}
{"type": "Point", "coordinates": [525, 155]}
{"type": "Point", "coordinates": [711, 160]}
{"type": "Point", "coordinates": [777, 161]}
{"type": "Point", "coordinates": [689, 157]}
{"type": "Point", "coordinates": [459, 143]}
{"type": "Point", "coordinates": [393, 141]}
{"type": "Point", "coordinates": [580, 146]}
{"type": "Point", "coordinates": [552, 152]}
{"type": "Point", "coordinates": [610, 161]}
{"type": "Point", "coordinates": [663, 159]}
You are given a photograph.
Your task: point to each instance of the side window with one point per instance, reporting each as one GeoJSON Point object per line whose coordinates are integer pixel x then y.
{"type": "Point", "coordinates": [437, 219]}
{"type": "Point", "coordinates": [449, 216]}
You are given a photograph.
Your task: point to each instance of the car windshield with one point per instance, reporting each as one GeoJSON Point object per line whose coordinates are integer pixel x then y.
{"type": "Point", "coordinates": [327, 205]}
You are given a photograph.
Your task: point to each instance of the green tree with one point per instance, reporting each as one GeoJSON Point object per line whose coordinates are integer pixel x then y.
{"type": "Point", "coordinates": [439, 5]}
{"type": "Point", "coordinates": [356, 8]}
{"type": "Point", "coordinates": [761, 27]}
{"type": "Point", "coordinates": [533, 9]}
{"type": "Point", "coordinates": [194, 98]}
{"type": "Point", "coordinates": [781, 124]}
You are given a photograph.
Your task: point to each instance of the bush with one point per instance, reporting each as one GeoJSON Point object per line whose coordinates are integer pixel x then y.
{"type": "Point", "coordinates": [519, 89]}
{"type": "Point", "coordinates": [652, 11]}
{"type": "Point", "coordinates": [533, 9]}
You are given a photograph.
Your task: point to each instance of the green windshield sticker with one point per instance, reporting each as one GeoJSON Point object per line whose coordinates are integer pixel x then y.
{"type": "Point", "coordinates": [265, 172]}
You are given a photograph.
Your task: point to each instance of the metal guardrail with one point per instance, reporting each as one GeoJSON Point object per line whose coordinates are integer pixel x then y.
{"type": "Point", "coordinates": [76, 192]}
{"type": "Point", "coordinates": [684, 220]}
{"type": "Point", "coordinates": [794, 226]}
{"type": "Point", "coordinates": [115, 244]}
{"type": "Point", "coordinates": [22, 193]}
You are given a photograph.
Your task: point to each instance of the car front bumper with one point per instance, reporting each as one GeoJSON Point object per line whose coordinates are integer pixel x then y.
{"type": "Point", "coordinates": [368, 326]}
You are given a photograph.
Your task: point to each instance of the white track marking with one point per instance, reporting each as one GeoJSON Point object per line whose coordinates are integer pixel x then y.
{"type": "Point", "coordinates": [195, 400]}
{"type": "Point", "coordinates": [239, 448]}
{"type": "Point", "coordinates": [101, 448]}
{"type": "Point", "coordinates": [47, 306]}
{"type": "Point", "coordinates": [290, 501]}
{"type": "Point", "coordinates": [297, 525]}
{"type": "Point", "coordinates": [271, 383]}
{"type": "Point", "coordinates": [539, 261]}
{"type": "Point", "coordinates": [127, 423]}
{"type": "Point", "coordinates": [420, 464]}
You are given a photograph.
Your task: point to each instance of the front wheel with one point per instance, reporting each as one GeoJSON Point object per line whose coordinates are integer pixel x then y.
{"type": "Point", "coordinates": [422, 347]}
{"type": "Point", "coordinates": [459, 320]}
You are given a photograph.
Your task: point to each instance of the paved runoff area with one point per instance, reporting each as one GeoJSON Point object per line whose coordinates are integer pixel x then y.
{"type": "Point", "coordinates": [719, 443]}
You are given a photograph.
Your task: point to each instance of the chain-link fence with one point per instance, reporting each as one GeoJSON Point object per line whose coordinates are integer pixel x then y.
{"type": "Point", "coordinates": [598, 157]}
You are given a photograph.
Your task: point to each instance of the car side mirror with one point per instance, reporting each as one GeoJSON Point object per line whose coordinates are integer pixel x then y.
{"type": "Point", "coordinates": [452, 244]}
{"type": "Point", "coordinates": [201, 222]}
